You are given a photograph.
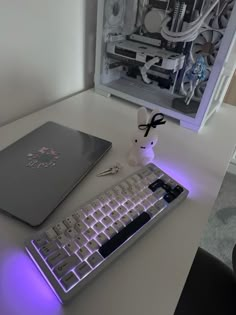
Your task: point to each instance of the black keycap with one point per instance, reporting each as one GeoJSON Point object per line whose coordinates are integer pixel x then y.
{"type": "Point", "coordinates": [118, 239]}
{"type": "Point", "coordinates": [169, 197]}
{"type": "Point", "coordinates": [177, 191]}
{"type": "Point", "coordinates": [166, 187]}
{"type": "Point", "coordinates": [157, 184]}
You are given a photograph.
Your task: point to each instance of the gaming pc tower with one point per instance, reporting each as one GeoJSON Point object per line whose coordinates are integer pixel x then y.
{"type": "Point", "coordinates": [173, 55]}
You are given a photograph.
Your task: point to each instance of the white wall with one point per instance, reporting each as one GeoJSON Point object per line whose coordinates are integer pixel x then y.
{"type": "Point", "coordinates": [46, 52]}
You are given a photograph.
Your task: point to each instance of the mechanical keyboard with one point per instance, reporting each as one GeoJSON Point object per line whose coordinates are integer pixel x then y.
{"type": "Point", "coordinates": [71, 252]}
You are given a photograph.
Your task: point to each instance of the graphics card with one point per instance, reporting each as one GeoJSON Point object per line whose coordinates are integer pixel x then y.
{"type": "Point", "coordinates": [142, 53]}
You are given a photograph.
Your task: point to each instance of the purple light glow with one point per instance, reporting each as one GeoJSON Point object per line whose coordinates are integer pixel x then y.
{"type": "Point", "coordinates": [177, 173]}
{"type": "Point", "coordinates": [23, 290]}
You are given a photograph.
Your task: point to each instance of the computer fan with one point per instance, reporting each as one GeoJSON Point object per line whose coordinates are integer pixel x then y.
{"type": "Point", "coordinates": [114, 12]}
{"type": "Point", "coordinates": [220, 21]}
{"type": "Point", "coordinates": [207, 44]}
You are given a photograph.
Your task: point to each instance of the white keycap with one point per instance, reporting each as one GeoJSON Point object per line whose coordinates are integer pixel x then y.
{"type": "Point", "coordinates": [159, 193]}
{"type": "Point", "coordinates": [125, 219]}
{"type": "Point", "coordinates": [118, 189]}
{"type": "Point", "coordinates": [40, 241]}
{"type": "Point", "coordinates": [92, 245]}
{"type": "Point", "coordinates": [87, 210]}
{"type": "Point", "coordinates": [95, 259]}
{"type": "Point", "coordinates": [82, 270]}
{"type": "Point", "coordinates": [56, 257]}
{"type": "Point", "coordinates": [147, 192]}
{"type": "Point", "coordinates": [107, 221]}
{"type": "Point", "coordinates": [80, 240]}
{"type": "Point", "coordinates": [135, 200]}
{"type": "Point", "coordinates": [165, 179]}
{"type": "Point", "coordinates": [157, 208]}
{"type": "Point", "coordinates": [152, 200]}
{"type": "Point", "coordinates": [160, 205]}
{"type": "Point", "coordinates": [78, 215]}
{"type": "Point", "coordinates": [89, 220]}
{"type": "Point", "coordinates": [151, 178]}
{"type": "Point", "coordinates": [48, 249]}
{"type": "Point", "coordinates": [83, 253]}
{"type": "Point", "coordinates": [66, 265]}
{"type": "Point", "coordinates": [80, 227]}
{"type": "Point", "coordinates": [114, 215]}
{"type": "Point", "coordinates": [128, 204]}
{"type": "Point", "coordinates": [103, 199]}
{"type": "Point", "coordinates": [96, 204]}
{"type": "Point", "coordinates": [72, 233]}
{"type": "Point", "coordinates": [135, 210]}
{"type": "Point", "coordinates": [69, 280]}
{"type": "Point", "coordinates": [140, 186]}
{"type": "Point", "coordinates": [130, 181]}
{"type": "Point", "coordinates": [137, 187]}
{"type": "Point", "coordinates": [113, 204]}
{"type": "Point", "coordinates": [124, 185]}
{"type": "Point", "coordinates": [98, 215]}
{"type": "Point", "coordinates": [136, 178]}
{"type": "Point", "coordinates": [110, 232]}
{"type": "Point", "coordinates": [144, 173]}
{"type": "Point", "coordinates": [134, 190]}
{"type": "Point", "coordinates": [118, 226]}
{"type": "Point", "coordinates": [172, 183]}
{"type": "Point", "coordinates": [106, 209]}
{"type": "Point", "coordinates": [152, 167]}
{"type": "Point", "coordinates": [110, 193]}
{"type": "Point", "coordinates": [51, 234]}
{"type": "Point", "coordinates": [89, 233]}
{"type": "Point", "coordinates": [158, 173]}
{"type": "Point", "coordinates": [102, 238]}
{"type": "Point", "coordinates": [98, 227]}
{"type": "Point", "coordinates": [122, 210]}
{"type": "Point", "coordinates": [69, 221]}
{"type": "Point", "coordinates": [146, 182]}
{"type": "Point", "coordinates": [146, 204]}
{"type": "Point", "coordinates": [132, 214]}
{"type": "Point", "coordinates": [142, 195]}
{"type": "Point", "coordinates": [60, 228]}
{"type": "Point", "coordinates": [139, 209]}
{"type": "Point", "coordinates": [120, 199]}
{"type": "Point", "coordinates": [62, 239]}
{"type": "Point", "coordinates": [71, 247]}
{"type": "Point", "coordinates": [127, 194]}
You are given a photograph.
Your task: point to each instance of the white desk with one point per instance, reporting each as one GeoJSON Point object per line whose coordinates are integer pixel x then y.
{"type": "Point", "coordinates": [149, 277]}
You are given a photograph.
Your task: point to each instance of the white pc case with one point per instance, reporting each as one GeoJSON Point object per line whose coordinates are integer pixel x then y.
{"type": "Point", "coordinates": [173, 55]}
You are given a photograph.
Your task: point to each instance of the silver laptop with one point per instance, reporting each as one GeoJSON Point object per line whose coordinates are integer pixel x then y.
{"type": "Point", "coordinates": [38, 171]}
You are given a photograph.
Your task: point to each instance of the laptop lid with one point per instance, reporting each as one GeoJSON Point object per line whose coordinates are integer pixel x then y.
{"type": "Point", "coordinates": [38, 171]}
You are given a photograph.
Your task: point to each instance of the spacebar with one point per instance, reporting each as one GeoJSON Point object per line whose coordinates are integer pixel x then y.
{"type": "Point", "coordinates": [117, 240]}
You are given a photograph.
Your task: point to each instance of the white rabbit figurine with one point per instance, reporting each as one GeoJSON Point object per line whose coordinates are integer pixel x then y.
{"type": "Point", "coordinates": [145, 139]}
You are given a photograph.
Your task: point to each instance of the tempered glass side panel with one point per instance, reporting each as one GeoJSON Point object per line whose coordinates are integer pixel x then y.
{"type": "Point", "coordinates": [144, 93]}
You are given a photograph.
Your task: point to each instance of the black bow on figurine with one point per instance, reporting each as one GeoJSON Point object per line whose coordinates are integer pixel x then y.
{"type": "Point", "coordinates": [153, 124]}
